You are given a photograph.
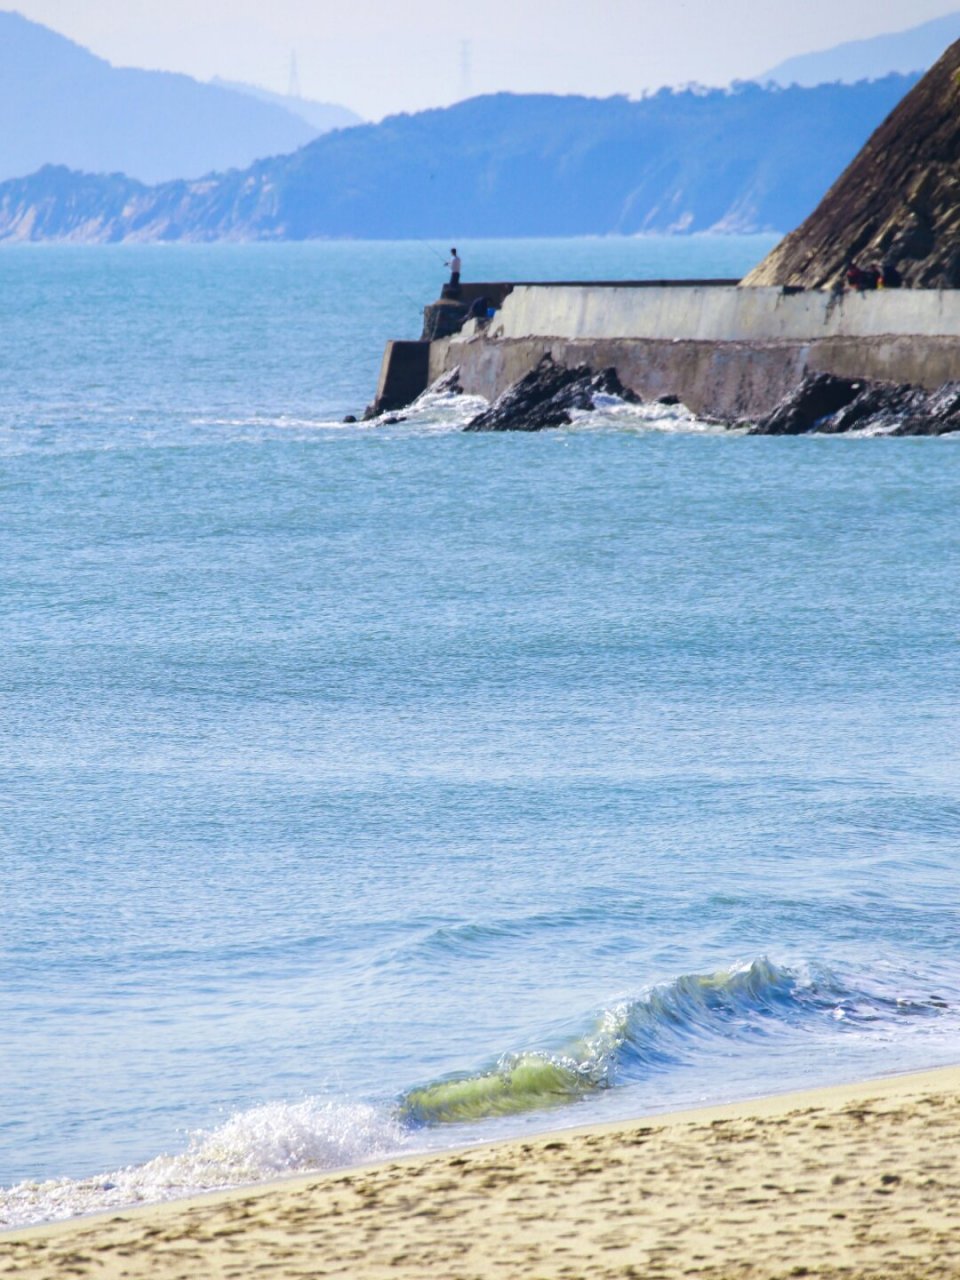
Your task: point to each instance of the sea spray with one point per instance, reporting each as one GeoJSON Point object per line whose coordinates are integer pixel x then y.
{"type": "Point", "coordinates": [444, 407]}
{"type": "Point", "coordinates": [271, 1141]}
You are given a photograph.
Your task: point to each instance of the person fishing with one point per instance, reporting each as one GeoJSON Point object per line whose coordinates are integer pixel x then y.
{"type": "Point", "coordinates": [455, 265]}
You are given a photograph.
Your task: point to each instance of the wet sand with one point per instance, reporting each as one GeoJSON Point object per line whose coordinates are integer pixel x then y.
{"type": "Point", "coordinates": [855, 1181]}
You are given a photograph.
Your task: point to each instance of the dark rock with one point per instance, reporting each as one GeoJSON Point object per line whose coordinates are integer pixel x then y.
{"type": "Point", "coordinates": [547, 395]}
{"type": "Point", "coordinates": [394, 418]}
{"type": "Point", "coordinates": [669, 400]}
{"type": "Point", "coordinates": [932, 413]}
{"type": "Point", "coordinates": [447, 384]}
{"type": "Point", "coordinates": [350, 418]}
{"type": "Point", "coordinates": [818, 396]}
{"type": "Point", "coordinates": [888, 408]}
{"type": "Point", "coordinates": [876, 404]}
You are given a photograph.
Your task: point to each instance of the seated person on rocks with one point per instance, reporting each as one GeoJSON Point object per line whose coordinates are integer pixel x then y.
{"type": "Point", "coordinates": [862, 279]}
{"type": "Point", "coordinates": [478, 311]}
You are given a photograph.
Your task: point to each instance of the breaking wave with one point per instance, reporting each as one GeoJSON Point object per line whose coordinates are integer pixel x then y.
{"type": "Point", "coordinates": [668, 1025]}
{"type": "Point", "coordinates": [443, 407]}
{"type": "Point", "coordinates": [664, 1028]}
{"type": "Point", "coordinates": [273, 1141]}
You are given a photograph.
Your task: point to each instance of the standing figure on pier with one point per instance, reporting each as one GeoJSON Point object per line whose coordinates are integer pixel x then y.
{"type": "Point", "coordinates": [454, 264]}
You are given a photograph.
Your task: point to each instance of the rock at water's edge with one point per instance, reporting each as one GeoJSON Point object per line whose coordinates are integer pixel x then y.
{"type": "Point", "coordinates": [818, 397]}
{"type": "Point", "coordinates": [833, 406]}
{"type": "Point", "coordinates": [546, 397]}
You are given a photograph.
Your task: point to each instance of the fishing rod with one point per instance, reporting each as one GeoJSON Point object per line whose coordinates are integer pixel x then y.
{"type": "Point", "coordinates": [436, 252]}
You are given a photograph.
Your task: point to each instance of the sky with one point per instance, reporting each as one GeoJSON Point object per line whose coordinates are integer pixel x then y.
{"type": "Point", "coordinates": [383, 56]}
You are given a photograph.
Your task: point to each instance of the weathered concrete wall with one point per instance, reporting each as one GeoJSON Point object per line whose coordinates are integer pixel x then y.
{"type": "Point", "coordinates": [726, 380]}
{"type": "Point", "coordinates": [923, 361]}
{"type": "Point", "coordinates": [404, 373]}
{"type": "Point", "coordinates": [726, 314]}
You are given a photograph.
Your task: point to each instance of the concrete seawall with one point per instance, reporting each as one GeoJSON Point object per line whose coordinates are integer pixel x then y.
{"type": "Point", "coordinates": [729, 353]}
{"type": "Point", "coordinates": [724, 314]}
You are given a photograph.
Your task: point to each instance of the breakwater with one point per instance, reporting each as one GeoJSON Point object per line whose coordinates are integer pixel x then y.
{"type": "Point", "coordinates": [727, 352]}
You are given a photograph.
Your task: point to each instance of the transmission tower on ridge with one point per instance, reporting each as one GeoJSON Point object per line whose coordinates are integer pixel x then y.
{"type": "Point", "coordinates": [466, 69]}
{"type": "Point", "coordinates": [293, 88]}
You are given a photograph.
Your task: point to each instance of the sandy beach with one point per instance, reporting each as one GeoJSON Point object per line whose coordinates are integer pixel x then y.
{"type": "Point", "coordinates": [853, 1181]}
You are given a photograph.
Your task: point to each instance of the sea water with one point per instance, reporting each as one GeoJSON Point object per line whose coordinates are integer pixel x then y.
{"type": "Point", "coordinates": [371, 788]}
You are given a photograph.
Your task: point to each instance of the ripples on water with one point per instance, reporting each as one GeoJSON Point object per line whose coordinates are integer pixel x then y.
{"type": "Point", "coordinates": [375, 788]}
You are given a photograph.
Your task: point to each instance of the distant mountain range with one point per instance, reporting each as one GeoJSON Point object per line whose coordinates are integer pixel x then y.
{"type": "Point", "coordinates": [916, 49]}
{"type": "Point", "coordinates": [59, 104]}
{"type": "Point", "coordinates": [321, 116]}
{"type": "Point", "coordinates": [503, 165]}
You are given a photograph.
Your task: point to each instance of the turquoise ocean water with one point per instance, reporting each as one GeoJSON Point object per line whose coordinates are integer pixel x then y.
{"type": "Point", "coordinates": [373, 788]}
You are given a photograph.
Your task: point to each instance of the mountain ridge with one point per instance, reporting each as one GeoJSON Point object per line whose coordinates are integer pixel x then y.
{"type": "Point", "coordinates": [64, 105]}
{"type": "Point", "coordinates": [321, 116]}
{"type": "Point", "coordinates": [499, 165]}
{"type": "Point", "coordinates": [913, 49]}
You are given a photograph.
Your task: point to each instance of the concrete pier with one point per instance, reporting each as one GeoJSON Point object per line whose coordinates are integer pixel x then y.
{"type": "Point", "coordinates": [727, 352]}
{"type": "Point", "coordinates": [404, 374]}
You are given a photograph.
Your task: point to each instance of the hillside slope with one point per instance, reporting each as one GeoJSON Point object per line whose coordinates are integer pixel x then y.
{"type": "Point", "coordinates": [899, 201]}
{"type": "Point", "coordinates": [59, 104]}
{"type": "Point", "coordinates": [502, 165]}
{"type": "Point", "coordinates": [915, 49]}
{"type": "Point", "coordinates": [321, 116]}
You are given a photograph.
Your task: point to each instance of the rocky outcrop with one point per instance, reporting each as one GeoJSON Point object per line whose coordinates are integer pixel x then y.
{"type": "Point", "coordinates": [823, 403]}
{"type": "Point", "coordinates": [897, 203]}
{"type": "Point", "coordinates": [60, 104]}
{"type": "Point", "coordinates": [547, 396]}
{"type": "Point", "coordinates": [832, 406]}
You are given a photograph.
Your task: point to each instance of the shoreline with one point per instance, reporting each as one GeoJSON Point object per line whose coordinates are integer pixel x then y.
{"type": "Point", "coordinates": [846, 1180]}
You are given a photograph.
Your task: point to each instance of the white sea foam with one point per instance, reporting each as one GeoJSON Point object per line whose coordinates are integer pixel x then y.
{"type": "Point", "coordinates": [271, 1141]}
{"type": "Point", "coordinates": [444, 408]}
{"type": "Point", "coordinates": [610, 412]}
{"type": "Point", "coordinates": [441, 407]}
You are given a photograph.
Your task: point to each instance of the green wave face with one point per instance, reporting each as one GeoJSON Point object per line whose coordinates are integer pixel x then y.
{"type": "Point", "coordinates": [633, 1038]}
{"type": "Point", "coordinates": [529, 1081]}
{"type": "Point", "coordinates": [525, 1083]}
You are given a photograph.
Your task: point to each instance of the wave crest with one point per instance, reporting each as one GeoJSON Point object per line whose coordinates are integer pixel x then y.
{"type": "Point", "coordinates": [661, 1029]}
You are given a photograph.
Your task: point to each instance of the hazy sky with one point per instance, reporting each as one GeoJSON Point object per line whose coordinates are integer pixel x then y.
{"type": "Point", "coordinates": [378, 56]}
